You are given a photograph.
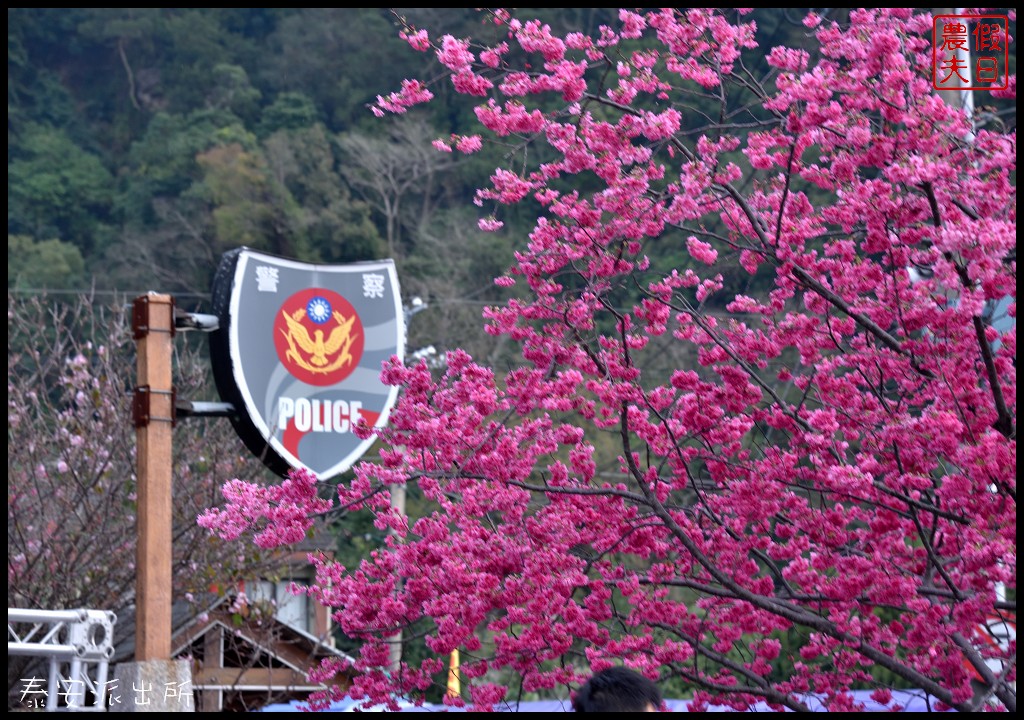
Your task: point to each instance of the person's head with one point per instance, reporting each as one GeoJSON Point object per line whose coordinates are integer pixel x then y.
{"type": "Point", "coordinates": [617, 689]}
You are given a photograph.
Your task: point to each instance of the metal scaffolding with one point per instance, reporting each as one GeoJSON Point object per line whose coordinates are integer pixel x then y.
{"type": "Point", "coordinates": [78, 643]}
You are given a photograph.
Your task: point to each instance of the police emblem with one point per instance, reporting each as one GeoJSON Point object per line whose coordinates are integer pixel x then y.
{"type": "Point", "coordinates": [299, 354]}
{"type": "Point", "coordinates": [301, 343]}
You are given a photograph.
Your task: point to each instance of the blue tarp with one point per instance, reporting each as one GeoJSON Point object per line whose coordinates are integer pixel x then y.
{"type": "Point", "coordinates": [911, 700]}
{"type": "Point", "coordinates": [346, 704]}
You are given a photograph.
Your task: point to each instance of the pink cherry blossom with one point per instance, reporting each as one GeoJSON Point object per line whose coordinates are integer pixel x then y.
{"type": "Point", "coordinates": [417, 39]}
{"type": "Point", "coordinates": [468, 143]}
{"type": "Point", "coordinates": [760, 418]}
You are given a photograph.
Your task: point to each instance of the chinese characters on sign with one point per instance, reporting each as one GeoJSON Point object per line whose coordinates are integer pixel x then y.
{"type": "Point", "coordinates": [266, 278]}
{"type": "Point", "coordinates": [373, 285]}
{"type": "Point", "coordinates": [72, 693]}
{"type": "Point", "coordinates": [970, 52]}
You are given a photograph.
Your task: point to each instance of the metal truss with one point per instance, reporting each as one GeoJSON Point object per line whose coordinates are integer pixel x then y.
{"type": "Point", "coordinates": [79, 645]}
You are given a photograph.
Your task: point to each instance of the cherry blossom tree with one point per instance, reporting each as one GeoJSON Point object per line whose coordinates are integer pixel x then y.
{"type": "Point", "coordinates": [769, 286]}
{"type": "Point", "coordinates": [71, 527]}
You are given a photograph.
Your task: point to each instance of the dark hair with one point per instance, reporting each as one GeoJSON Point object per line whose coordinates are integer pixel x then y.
{"type": "Point", "coordinates": [617, 689]}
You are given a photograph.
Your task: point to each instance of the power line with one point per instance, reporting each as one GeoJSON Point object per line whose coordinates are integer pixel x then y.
{"type": "Point", "coordinates": [88, 291]}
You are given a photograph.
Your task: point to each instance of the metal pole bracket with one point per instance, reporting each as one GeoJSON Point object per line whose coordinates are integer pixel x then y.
{"type": "Point", "coordinates": [140, 317]}
{"type": "Point", "coordinates": [142, 402]}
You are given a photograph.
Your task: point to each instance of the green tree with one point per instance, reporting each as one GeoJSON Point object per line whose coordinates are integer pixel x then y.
{"type": "Point", "coordinates": [133, 37]}
{"type": "Point", "coordinates": [289, 111]}
{"type": "Point", "coordinates": [231, 90]}
{"type": "Point", "coordinates": [35, 91]}
{"type": "Point", "coordinates": [43, 264]}
{"type": "Point", "coordinates": [338, 227]}
{"type": "Point", "coordinates": [339, 57]}
{"type": "Point", "coordinates": [249, 206]}
{"type": "Point", "coordinates": [56, 189]}
{"type": "Point", "coordinates": [167, 238]}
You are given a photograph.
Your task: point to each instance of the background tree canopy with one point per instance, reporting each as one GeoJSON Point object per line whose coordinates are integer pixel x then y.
{"type": "Point", "coordinates": [144, 142]}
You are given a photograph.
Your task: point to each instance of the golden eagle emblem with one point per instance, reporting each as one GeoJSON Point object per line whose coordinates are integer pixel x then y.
{"type": "Point", "coordinates": [318, 350]}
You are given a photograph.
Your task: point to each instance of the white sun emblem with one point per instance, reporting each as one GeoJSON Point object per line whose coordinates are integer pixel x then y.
{"type": "Point", "coordinates": [319, 310]}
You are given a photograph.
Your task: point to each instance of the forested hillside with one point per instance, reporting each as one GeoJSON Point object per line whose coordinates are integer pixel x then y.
{"type": "Point", "coordinates": [145, 142]}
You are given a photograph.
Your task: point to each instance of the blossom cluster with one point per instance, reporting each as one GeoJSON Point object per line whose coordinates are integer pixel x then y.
{"type": "Point", "coordinates": [832, 449]}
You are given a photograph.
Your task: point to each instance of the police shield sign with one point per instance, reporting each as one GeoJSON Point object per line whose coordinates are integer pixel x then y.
{"type": "Point", "coordinates": [299, 354]}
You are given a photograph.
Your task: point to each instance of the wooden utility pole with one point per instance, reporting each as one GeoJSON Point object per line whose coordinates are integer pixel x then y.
{"type": "Point", "coordinates": [153, 414]}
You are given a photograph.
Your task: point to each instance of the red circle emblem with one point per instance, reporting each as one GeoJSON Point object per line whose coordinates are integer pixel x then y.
{"type": "Point", "coordinates": [318, 336]}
